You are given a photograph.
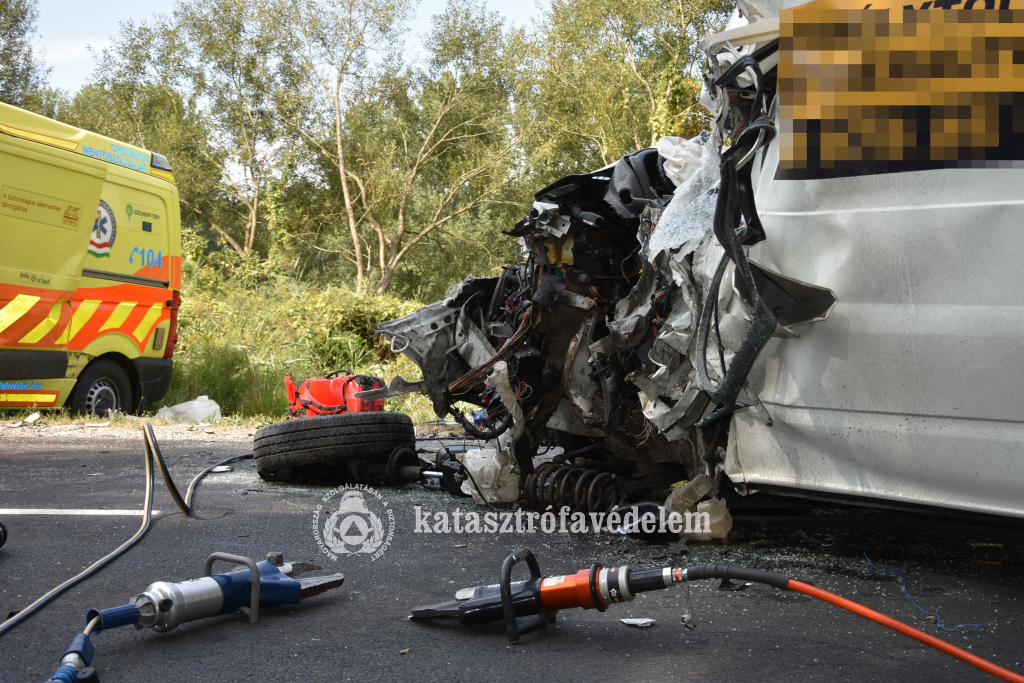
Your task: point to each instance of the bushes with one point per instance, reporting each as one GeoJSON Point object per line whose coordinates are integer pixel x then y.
{"type": "Point", "coordinates": [334, 327]}
{"type": "Point", "coordinates": [237, 343]}
{"type": "Point", "coordinates": [227, 376]}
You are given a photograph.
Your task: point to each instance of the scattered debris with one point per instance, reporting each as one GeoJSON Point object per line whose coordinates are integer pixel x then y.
{"type": "Point", "coordinates": [98, 424]}
{"type": "Point", "coordinates": [734, 586]}
{"type": "Point", "coordinates": [31, 419]}
{"type": "Point", "coordinates": [716, 524]}
{"type": "Point", "coordinates": [405, 651]}
{"type": "Point", "coordinates": [222, 468]}
{"type": "Point", "coordinates": [688, 622]}
{"type": "Point", "coordinates": [930, 616]}
{"type": "Point", "coordinates": [799, 536]}
{"type": "Point", "coordinates": [494, 476]}
{"type": "Point", "coordinates": [639, 623]}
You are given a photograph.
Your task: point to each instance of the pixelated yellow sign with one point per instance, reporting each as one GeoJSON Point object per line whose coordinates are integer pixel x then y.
{"type": "Point", "coordinates": [887, 87]}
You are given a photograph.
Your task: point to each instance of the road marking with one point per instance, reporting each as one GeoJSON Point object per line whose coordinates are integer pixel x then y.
{"type": "Point", "coordinates": [75, 513]}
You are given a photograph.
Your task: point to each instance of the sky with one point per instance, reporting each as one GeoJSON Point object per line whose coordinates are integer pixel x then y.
{"type": "Point", "coordinates": [68, 28]}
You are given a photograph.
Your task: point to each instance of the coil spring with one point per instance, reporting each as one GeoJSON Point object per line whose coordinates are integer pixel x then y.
{"type": "Point", "coordinates": [578, 488]}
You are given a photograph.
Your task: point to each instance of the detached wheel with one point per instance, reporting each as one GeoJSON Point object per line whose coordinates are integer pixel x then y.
{"type": "Point", "coordinates": [102, 386]}
{"type": "Point", "coordinates": [329, 440]}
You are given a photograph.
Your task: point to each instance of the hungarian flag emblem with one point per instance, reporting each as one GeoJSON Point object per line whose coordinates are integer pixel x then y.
{"type": "Point", "coordinates": [104, 230]}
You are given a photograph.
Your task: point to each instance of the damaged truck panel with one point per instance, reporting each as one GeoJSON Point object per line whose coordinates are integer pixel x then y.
{"type": "Point", "coordinates": [914, 374]}
{"type": "Point", "coordinates": [907, 391]}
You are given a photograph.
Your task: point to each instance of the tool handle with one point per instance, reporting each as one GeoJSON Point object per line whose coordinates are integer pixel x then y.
{"type": "Point", "coordinates": [65, 674]}
{"type": "Point", "coordinates": [511, 625]}
{"type": "Point", "coordinates": [254, 601]}
{"type": "Point", "coordinates": [113, 617]}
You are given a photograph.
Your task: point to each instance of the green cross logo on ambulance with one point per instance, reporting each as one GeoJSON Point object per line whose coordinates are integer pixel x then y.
{"type": "Point", "coordinates": [104, 231]}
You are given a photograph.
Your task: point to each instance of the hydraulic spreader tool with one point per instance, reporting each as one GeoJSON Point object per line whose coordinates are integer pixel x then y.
{"type": "Point", "coordinates": [163, 605]}
{"type": "Point", "coordinates": [600, 587]}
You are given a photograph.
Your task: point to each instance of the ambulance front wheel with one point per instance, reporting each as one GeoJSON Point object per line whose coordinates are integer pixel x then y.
{"type": "Point", "coordinates": [102, 387]}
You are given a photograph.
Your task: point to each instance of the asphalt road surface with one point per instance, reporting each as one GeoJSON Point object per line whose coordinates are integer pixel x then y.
{"type": "Point", "coordinates": [967, 571]}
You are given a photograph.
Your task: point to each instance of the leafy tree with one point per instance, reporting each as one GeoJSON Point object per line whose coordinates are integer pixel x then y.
{"type": "Point", "coordinates": [337, 46]}
{"type": "Point", "coordinates": [307, 141]}
{"type": "Point", "coordinates": [160, 120]}
{"type": "Point", "coordinates": [612, 76]}
{"type": "Point", "coordinates": [212, 62]}
{"type": "Point", "coordinates": [23, 71]}
{"type": "Point", "coordinates": [428, 148]}
{"type": "Point", "coordinates": [222, 60]}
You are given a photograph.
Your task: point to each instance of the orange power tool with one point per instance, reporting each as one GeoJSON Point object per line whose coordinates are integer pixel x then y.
{"type": "Point", "coordinates": [599, 587]}
{"type": "Point", "coordinates": [594, 588]}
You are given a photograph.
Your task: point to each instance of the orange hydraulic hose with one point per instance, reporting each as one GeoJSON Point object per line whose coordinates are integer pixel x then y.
{"type": "Point", "coordinates": [900, 627]}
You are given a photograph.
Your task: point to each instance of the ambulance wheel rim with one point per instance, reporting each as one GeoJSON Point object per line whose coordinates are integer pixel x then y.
{"type": "Point", "coordinates": [101, 397]}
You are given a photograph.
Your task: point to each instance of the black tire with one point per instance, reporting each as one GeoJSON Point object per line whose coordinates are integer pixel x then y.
{"type": "Point", "coordinates": [102, 386]}
{"type": "Point", "coordinates": [3, 534]}
{"type": "Point", "coordinates": [331, 439]}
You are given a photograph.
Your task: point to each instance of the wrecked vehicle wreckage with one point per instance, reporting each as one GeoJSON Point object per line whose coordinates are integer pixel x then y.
{"type": "Point", "coordinates": [654, 319]}
{"type": "Point", "coordinates": [601, 335]}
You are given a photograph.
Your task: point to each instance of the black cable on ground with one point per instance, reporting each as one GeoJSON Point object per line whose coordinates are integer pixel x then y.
{"type": "Point", "coordinates": [195, 482]}
{"type": "Point", "coordinates": [150, 438]}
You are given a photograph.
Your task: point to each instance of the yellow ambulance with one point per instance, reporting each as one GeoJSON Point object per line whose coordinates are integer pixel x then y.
{"type": "Point", "coordinates": [90, 268]}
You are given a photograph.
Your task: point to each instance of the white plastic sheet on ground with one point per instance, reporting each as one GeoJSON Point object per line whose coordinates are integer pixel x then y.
{"type": "Point", "coordinates": [202, 410]}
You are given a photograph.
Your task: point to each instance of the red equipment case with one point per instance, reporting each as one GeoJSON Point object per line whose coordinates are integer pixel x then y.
{"type": "Point", "coordinates": [332, 394]}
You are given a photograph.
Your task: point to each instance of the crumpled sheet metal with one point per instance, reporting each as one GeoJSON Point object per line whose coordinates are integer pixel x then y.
{"type": "Point", "coordinates": [678, 241]}
{"type": "Point", "coordinates": [632, 318]}
{"type": "Point", "coordinates": [679, 255]}
{"type": "Point", "coordinates": [583, 391]}
{"type": "Point", "coordinates": [498, 379]}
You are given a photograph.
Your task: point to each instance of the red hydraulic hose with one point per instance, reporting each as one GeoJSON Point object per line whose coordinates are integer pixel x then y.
{"type": "Point", "coordinates": [900, 627]}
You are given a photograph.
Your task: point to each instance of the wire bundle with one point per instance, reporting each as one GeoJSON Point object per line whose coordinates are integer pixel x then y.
{"type": "Point", "coordinates": [480, 372]}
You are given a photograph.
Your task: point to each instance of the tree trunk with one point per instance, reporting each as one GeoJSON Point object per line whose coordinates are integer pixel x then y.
{"type": "Point", "coordinates": [349, 209]}
{"type": "Point", "coordinates": [250, 238]}
{"type": "Point", "coordinates": [386, 274]}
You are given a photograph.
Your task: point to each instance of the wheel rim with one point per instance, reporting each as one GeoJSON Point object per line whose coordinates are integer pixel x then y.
{"type": "Point", "coordinates": [102, 397]}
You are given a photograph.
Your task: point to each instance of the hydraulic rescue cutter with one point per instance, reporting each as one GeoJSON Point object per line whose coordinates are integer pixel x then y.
{"type": "Point", "coordinates": [164, 605]}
